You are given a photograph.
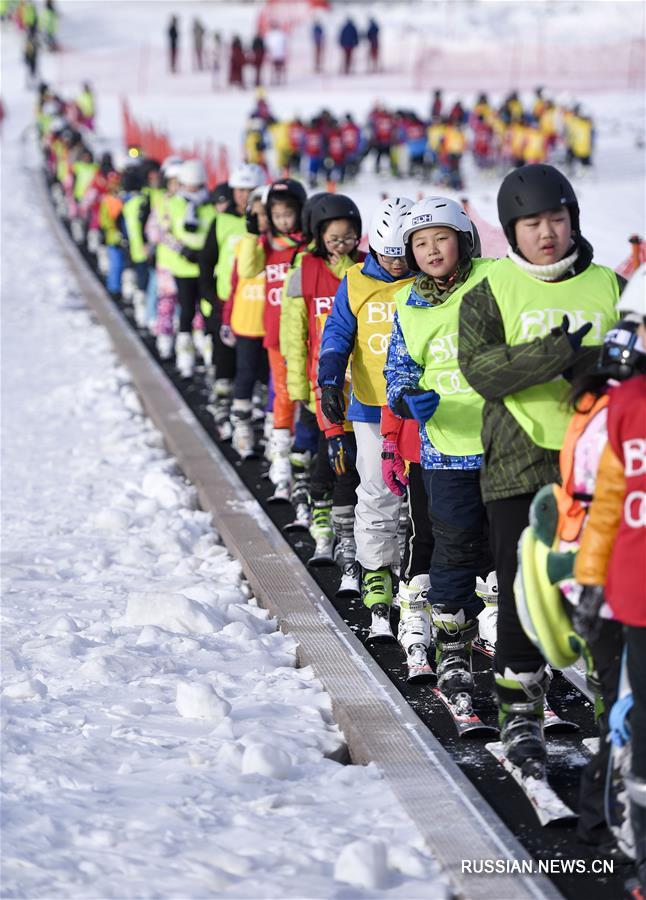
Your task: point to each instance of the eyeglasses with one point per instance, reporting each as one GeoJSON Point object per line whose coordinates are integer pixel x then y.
{"type": "Point", "coordinates": [341, 242]}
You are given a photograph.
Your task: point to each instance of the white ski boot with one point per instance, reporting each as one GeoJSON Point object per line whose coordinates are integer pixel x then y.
{"type": "Point", "coordinates": [102, 259]}
{"type": "Point", "coordinates": [220, 407]}
{"type": "Point", "coordinates": [488, 618]}
{"type": "Point", "coordinates": [77, 228]}
{"type": "Point", "coordinates": [206, 351]}
{"type": "Point", "coordinates": [184, 354]}
{"type": "Point", "coordinates": [323, 534]}
{"type": "Point", "coordinates": [128, 284]}
{"type": "Point", "coordinates": [198, 341]}
{"type": "Point", "coordinates": [346, 552]}
{"type": "Point", "coordinates": [139, 306]}
{"type": "Point", "coordinates": [280, 470]}
{"type": "Point", "coordinates": [164, 344]}
{"type": "Point", "coordinates": [414, 632]}
{"type": "Point", "coordinates": [242, 441]}
{"type": "Point", "coordinates": [93, 240]}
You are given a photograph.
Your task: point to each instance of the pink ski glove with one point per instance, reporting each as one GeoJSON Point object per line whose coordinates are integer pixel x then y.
{"type": "Point", "coordinates": [393, 469]}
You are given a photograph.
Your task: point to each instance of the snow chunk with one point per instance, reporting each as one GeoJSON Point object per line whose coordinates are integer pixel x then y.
{"type": "Point", "coordinates": [166, 490]}
{"type": "Point", "coordinates": [363, 865]}
{"type": "Point", "coordinates": [60, 625]}
{"type": "Point", "coordinates": [262, 759]}
{"type": "Point", "coordinates": [175, 612]}
{"type": "Point", "coordinates": [198, 700]}
{"type": "Point", "coordinates": [112, 520]}
{"type": "Point", "coordinates": [27, 689]}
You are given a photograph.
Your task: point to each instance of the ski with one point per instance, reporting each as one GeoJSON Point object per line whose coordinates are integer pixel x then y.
{"type": "Point", "coordinates": [553, 722]}
{"type": "Point", "coordinates": [547, 805]}
{"type": "Point", "coordinates": [302, 522]}
{"type": "Point", "coordinates": [280, 495]}
{"type": "Point", "coordinates": [467, 724]}
{"type": "Point", "coordinates": [380, 628]}
{"type": "Point", "coordinates": [483, 647]}
{"type": "Point", "coordinates": [420, 670]}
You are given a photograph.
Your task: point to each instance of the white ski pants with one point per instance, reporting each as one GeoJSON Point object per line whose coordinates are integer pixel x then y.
{"type": "Point", "coordinates": [377, 511]}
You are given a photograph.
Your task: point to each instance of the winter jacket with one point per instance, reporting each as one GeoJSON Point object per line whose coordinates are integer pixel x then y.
{"type": "Point", "coordinates": [513, 464]}
{"type": "Point", "coordinates": [340, 336]}
{"type": "Point", "coordinates": [348, 36]}
{"type": "Point", "coordinates": [613, 546]}
{"type": "Point", "coordinates": [403, 375]}
{"type": "Point", "coordinates": [305, 319]}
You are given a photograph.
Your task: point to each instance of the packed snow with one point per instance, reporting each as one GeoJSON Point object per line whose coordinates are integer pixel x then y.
{"type": "Point", "coordinates": [159, 740]}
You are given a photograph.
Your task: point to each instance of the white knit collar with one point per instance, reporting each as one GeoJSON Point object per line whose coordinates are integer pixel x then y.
{"type": "Point", "coordinates": [552, 272]}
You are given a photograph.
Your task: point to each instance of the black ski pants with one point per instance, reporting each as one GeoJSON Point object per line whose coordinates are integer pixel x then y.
{"type": "Point", "coordinates": [418, 548]}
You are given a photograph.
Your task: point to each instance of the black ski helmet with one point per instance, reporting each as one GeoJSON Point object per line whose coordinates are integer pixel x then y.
{"type": "Point", "coordinates": [621, 355]}
{"type": "Point", "coordinates": [287, 189]}
{"type": "Point", "coordinates": [332, 206]}
{"type": "Point", "coordinates": [306, 218]}
{"type": "Point", "coordinates": [533, 189]}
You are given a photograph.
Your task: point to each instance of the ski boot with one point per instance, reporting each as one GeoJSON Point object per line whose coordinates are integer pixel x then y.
{"type": "Point", "coordinates": [280, 470]}
{"type": "Point", "coordinates": [521, 698]}
{"type": "Point", "coordinates": [488, 618]}
{"type": "Point", "coordinates": [242, 439]}
{"type": "Point", "coordinates": [220, 407]}
{"type": "Point", "coordinates": [267, 428]}
{"type": "Point", "coordinates": [128, 284]}
{"type": "Point", "coordinates": [139, 306]}
{"type": "Point", "coordinates": [77, 228]}
{"type": "Point", "coordinates": [259, 400]}
{"type": "Point", "coordinates": [346, 551]}
{"type": "Point", "coordinates": [207, 352]}
{"type": "Point", "coordinates": [414, 632]}
{"type": "Point", "coordinates": [377, 595]}
{"type": "Point", "coordinates": [93, 241]}
{"type": "Point", "coordinates": [184, 354]}
{"type": "Point", "coordinates": [164, 344]}
{"type": "Point", "coordinates": [453, 636]}
{"type": "Point", "coordinates": [300, 493]}
{"type": "Point", "coordinates": [198, 341]}
{"type": "Point", "coordinates": [323, 534]}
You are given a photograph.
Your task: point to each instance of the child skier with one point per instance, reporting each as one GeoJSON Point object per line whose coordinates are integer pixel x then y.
{"type": "Point", "coordinates": [424, 383]}
{"type": "Point", "coordinates": [217, 256]}
{"type": "Point", "coordinates": [243, 313]}
{"type": "Point", "coordinates": [360, 325]}
{"type": "Point", "coordinates": [521, 328]}
{"type": "Point", "coordinates": [334, 224]}
{"type": "Point", "coordinates": [273, 253]}
{"type": "Point", "coordinates": [612, 555]}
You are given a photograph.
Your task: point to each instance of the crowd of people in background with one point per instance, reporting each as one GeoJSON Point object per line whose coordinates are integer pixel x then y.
{"type": "Point", "coordinates": [264, 58]}
{"type": "Point", "coordinates": [40, 23]}
{"type": "Point", "coordinates": [329, 148]}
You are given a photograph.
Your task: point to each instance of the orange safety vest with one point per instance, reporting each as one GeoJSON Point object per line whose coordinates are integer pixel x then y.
{"type": "Point", "coordinates": [571, 512]}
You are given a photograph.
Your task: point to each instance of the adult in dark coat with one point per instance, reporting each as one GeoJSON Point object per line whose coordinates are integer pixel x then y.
{"type": "Point", "coordinates": [318, 39]}
{"type": "Point", "coordinates": [348, 41]}
{"type": "Point", "coordinates": [237, 61]}
{"type": "Point", "coordinates": [173, 43]}
{"type": "Point", "coordinates": [372, 36]}
{"type": "Point", "coordinates": [258, 57]}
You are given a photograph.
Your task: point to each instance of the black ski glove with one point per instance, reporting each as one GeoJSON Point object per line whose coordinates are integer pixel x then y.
{"type": "Point", "coordinates": [251, 219]}
{"type": "Point", "coordinates": [574, 337]}
{"type": "Point", "coordinates": [190, 254]}
{"type": "Point", "coordinates": [333, 404]}
{"type": "Point", "coordinates": [585, 616]}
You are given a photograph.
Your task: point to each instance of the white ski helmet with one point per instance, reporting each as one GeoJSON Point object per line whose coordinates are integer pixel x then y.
{"type": "Point", "coordinates": [247, 175]}
{"type": "Point", "coordinates": [192, 173]}
{"type": "Point", "coordinates": [434, 211]}
{"type": "Point", "coordinates": [171, 166]}
{"type": "Point", "coordinates": [385, 235]}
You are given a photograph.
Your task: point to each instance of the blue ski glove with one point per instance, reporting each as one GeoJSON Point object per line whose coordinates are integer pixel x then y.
{"type": "Point", "coordinates": [422, 406]}
{"type": "Point", "coordinates": [574, 337]}
{"type": "Point", "coordinates": [341, 454]}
